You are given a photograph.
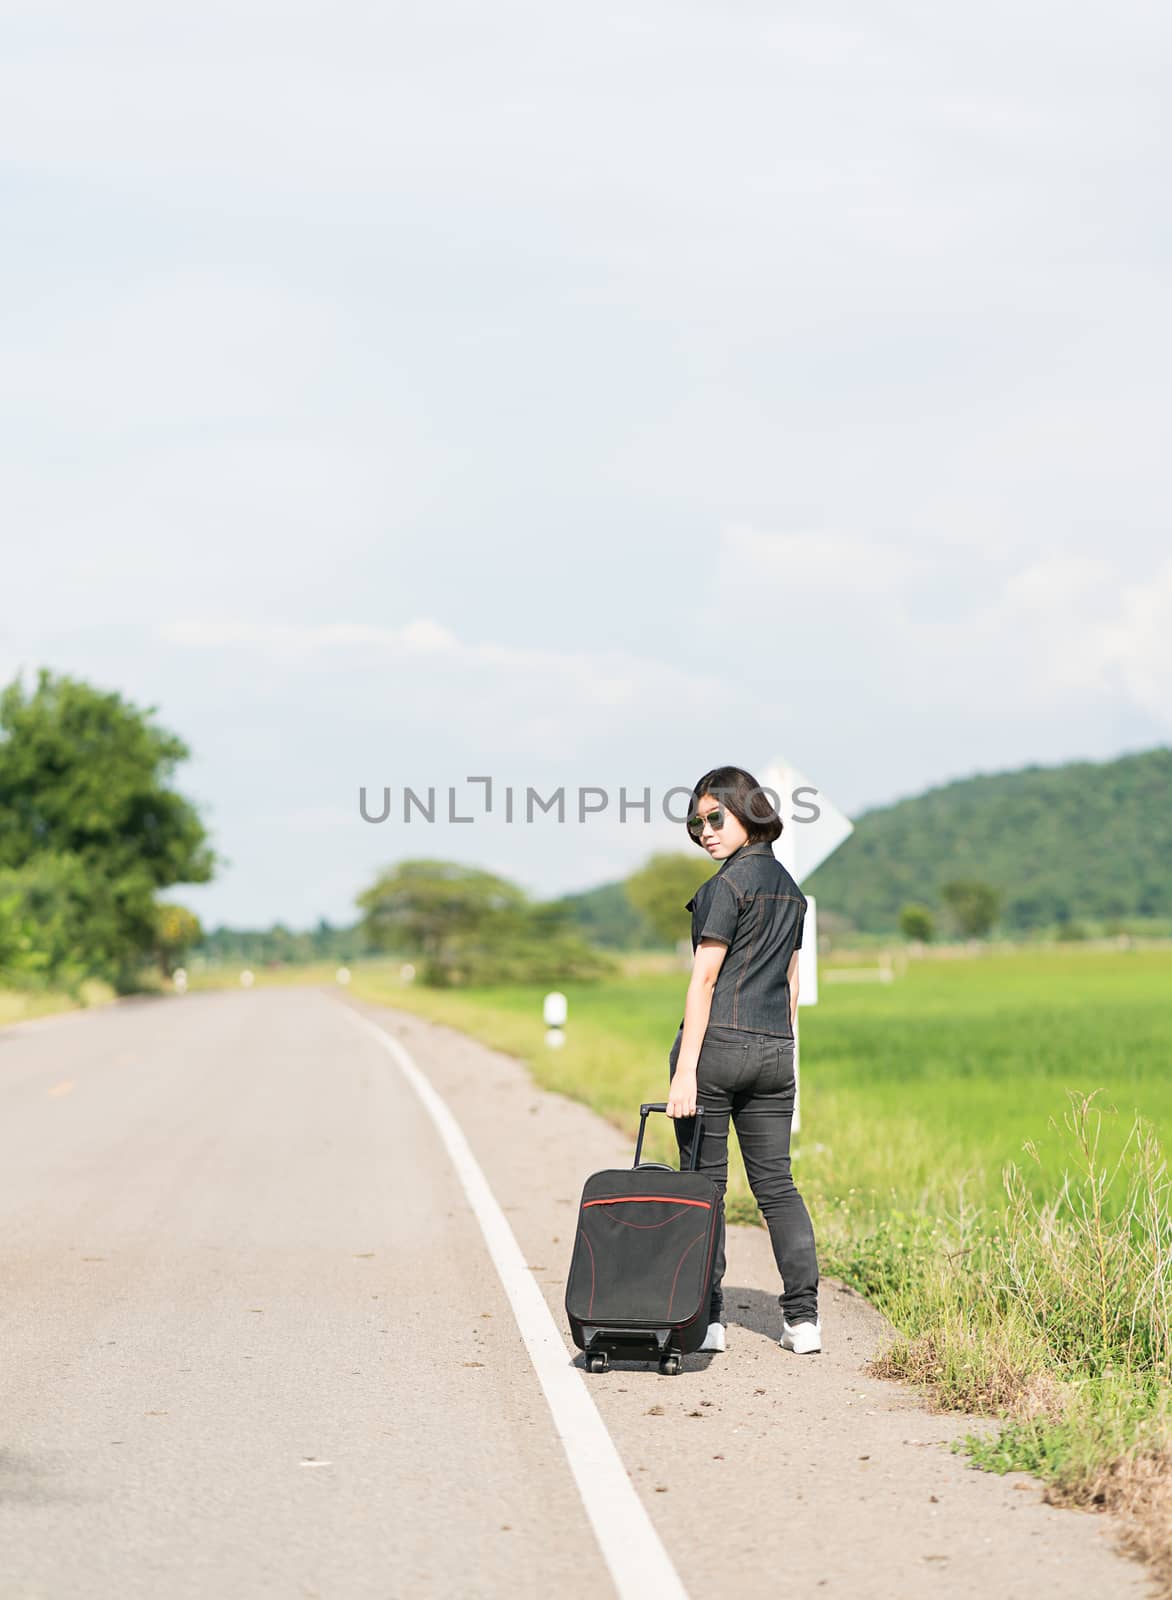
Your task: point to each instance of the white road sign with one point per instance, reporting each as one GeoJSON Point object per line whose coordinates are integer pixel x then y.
{"type": "Point", "coordinates": [808, 956]}
{"type": "Point", "coordinates": [813, 826]}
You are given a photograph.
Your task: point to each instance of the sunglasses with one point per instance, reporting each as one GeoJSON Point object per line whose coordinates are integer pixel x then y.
{"type": "Point", "coordinates": [696, 823]}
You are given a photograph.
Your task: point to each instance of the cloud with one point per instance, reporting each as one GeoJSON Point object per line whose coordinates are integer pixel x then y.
{"type": "Point", "coordinates": [1139, 641]}
{"type": "Point", "coordinates": [1047, 637]}
{"type": "Point", "coordinates": [808, 564]}
{"type": "Point", "coordinates": [192, 346]}
{"type": "Point", "coordinates": [1074, 627]}
{"type": "Point", "coordinates": [560, 701]}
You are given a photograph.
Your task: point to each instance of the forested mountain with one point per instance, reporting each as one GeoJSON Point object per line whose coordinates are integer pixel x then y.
{"type": "Point", "coordinates": [606, 917]}
{"type": "Point", "coordinates": [1085, 842]}
{"type": "Point", "coordinates": [265, 946]}
{"type": "Point", "coordinates": [1076, 846]}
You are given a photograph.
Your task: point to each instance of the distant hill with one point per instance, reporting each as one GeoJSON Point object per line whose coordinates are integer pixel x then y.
{"type": "Point", "coordinates": [606, 917]}
{"type": "Point", "coordinates": [1083, 842]}
{"type": "Point", "coordinates": [277, 943]}
{"type": "Point", "coordinates": [1066, 846]}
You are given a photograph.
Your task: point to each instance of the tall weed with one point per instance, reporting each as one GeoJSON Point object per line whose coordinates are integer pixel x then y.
{"type": "Point", "coordinates": [1052, 1314]}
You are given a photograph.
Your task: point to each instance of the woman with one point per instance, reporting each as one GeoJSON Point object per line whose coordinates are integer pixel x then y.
{"type": "Point", "coordinates": [734, 1052]}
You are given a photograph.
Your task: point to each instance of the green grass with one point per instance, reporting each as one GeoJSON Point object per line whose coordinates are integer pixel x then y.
{"type": "Point", "coordinates": [22, 1005]}
{"type": "Point", "coordinates": [939, 1079]}
{"type": "Point", "coordinates": [914, 1093]}
{"type": "Point", "coordinates": [226, 975]}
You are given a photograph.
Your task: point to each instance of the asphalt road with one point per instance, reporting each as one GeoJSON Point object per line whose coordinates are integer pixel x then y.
{"type": "Point", "coordinates": [252, 1343]}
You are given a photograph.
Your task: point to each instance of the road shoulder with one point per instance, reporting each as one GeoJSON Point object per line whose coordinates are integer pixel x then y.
{"type": "Point", "coordinates": [760, 1468]}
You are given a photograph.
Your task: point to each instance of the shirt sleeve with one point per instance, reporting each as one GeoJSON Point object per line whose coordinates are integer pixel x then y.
{"type": "Point", "coordinates": [801, 926]}
{"type": "Point", "coordinates": [724, 909]}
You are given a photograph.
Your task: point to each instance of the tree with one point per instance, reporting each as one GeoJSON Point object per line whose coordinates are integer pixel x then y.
{"type": "Point", "coordinates": [470, 926]}
{"type": "Point", "coordinates": [56, 916]}
{"type": "Point", "coordinates": [917, 922]}
{"type": "Point", "coordinates": [90, 825]}
{"type": "Point", "coordinates": [974, 905]}
{"type": "Point", "coordinates": [20, 959]}
{"type": "Point", "coordinates": [423, 905]}
{"type": "Point", "coordinates": [177, 930]}
{"type": "Point", "coordinates": [661, 889]}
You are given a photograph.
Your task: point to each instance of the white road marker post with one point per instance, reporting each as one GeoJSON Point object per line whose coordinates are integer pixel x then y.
{"type": "Point", "coordinates": [554, 1011]}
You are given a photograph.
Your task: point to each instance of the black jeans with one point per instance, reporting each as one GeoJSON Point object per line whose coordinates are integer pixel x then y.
{"type": "Point", "coordinates": [750, 1078]}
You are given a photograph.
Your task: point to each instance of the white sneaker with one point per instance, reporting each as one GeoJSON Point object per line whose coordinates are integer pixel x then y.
{"type": "Point", "coordinates": [803, 1338]}
{"type": "Point", "coordinates": [714, 1338]}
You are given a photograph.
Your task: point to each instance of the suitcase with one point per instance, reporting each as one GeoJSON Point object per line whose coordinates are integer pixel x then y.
{"type": "Point", "coordinates": [641, 1272]}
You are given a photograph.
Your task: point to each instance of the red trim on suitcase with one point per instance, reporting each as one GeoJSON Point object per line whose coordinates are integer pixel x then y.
{"type": "Point", "coordinates": [631, 1199]}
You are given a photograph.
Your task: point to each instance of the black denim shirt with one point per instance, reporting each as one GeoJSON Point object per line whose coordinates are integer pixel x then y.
{"type": "Point", "coordinates": [754, 905]}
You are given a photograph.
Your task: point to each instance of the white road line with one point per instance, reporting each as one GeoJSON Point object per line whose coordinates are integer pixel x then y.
{"type": "Point", "coordinates": [639, 1565]}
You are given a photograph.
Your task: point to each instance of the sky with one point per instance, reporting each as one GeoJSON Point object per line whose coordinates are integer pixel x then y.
{"type": "Point", "coordinates": [583, 397]}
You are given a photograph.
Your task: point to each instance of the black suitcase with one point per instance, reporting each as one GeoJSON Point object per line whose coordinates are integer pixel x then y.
{"type": "Point", "coordinates": [641, 1273]}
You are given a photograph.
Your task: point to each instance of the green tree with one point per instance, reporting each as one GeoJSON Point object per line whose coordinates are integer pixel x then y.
{"type": "Point", "coordinates": [424, 905]}
{"type": "Point", "coordinates": [57, 915]}
{"type": "Point", "coordinates": [917, 922]}
{"type": "Point", "coordinates": [177, 930]}
{"type": "Point", "coordinates": [21, 961]}
{"type": "Point", "coordinates": [661, 889]}
{"type": "Point", "coordinates": [974, 905]}
{"type": "Point", "coordinates": [90, 825]}
{"type": "Point", "coordinates": [469, 926]}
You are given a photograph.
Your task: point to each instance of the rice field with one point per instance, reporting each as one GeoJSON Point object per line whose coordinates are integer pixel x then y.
{"type": "Point", "coordinates": [915, 1093]}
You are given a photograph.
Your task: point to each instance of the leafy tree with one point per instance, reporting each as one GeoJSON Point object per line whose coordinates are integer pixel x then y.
{"type": "Point", "coordinates": [265, 946]}
{"type": "Point", "coordinates": [470, 926]}
{"type": "Point", "coordinates": [974, 905]}
{"type": "Point", "coordinates": [21, 962]}
{"type": "Point", "coordinates": [917, 922]}
{"type": "Point", "coordinates": [90, 826]}
{"type": "Point", "coordinates": [55, 915]}
{"type": "Point", "coordinates": [661, 889]}
{"type": "Point", "coordinates": [423, 905]}
{"type": "Point", "coordinates": [177, 930]}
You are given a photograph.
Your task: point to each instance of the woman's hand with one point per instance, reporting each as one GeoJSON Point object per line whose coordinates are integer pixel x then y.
{"type": "Point", "coordinates": [710, 953]}
{"type": "Point", "coordinates": [681, 1100]}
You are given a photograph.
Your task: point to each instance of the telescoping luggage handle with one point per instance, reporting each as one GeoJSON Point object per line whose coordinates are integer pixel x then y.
{"type": "Point", "coordinates": [661, 1105]}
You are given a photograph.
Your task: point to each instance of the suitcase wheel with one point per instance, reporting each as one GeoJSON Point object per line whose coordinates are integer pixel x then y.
{"type": "Point", "coordinates": [598, 1362]}
{"type": "Point", "coordinates": [671, 1366]}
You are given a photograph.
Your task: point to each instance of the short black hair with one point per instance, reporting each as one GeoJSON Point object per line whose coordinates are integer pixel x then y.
{"type": "Point", "coordinates": [739, 792]}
